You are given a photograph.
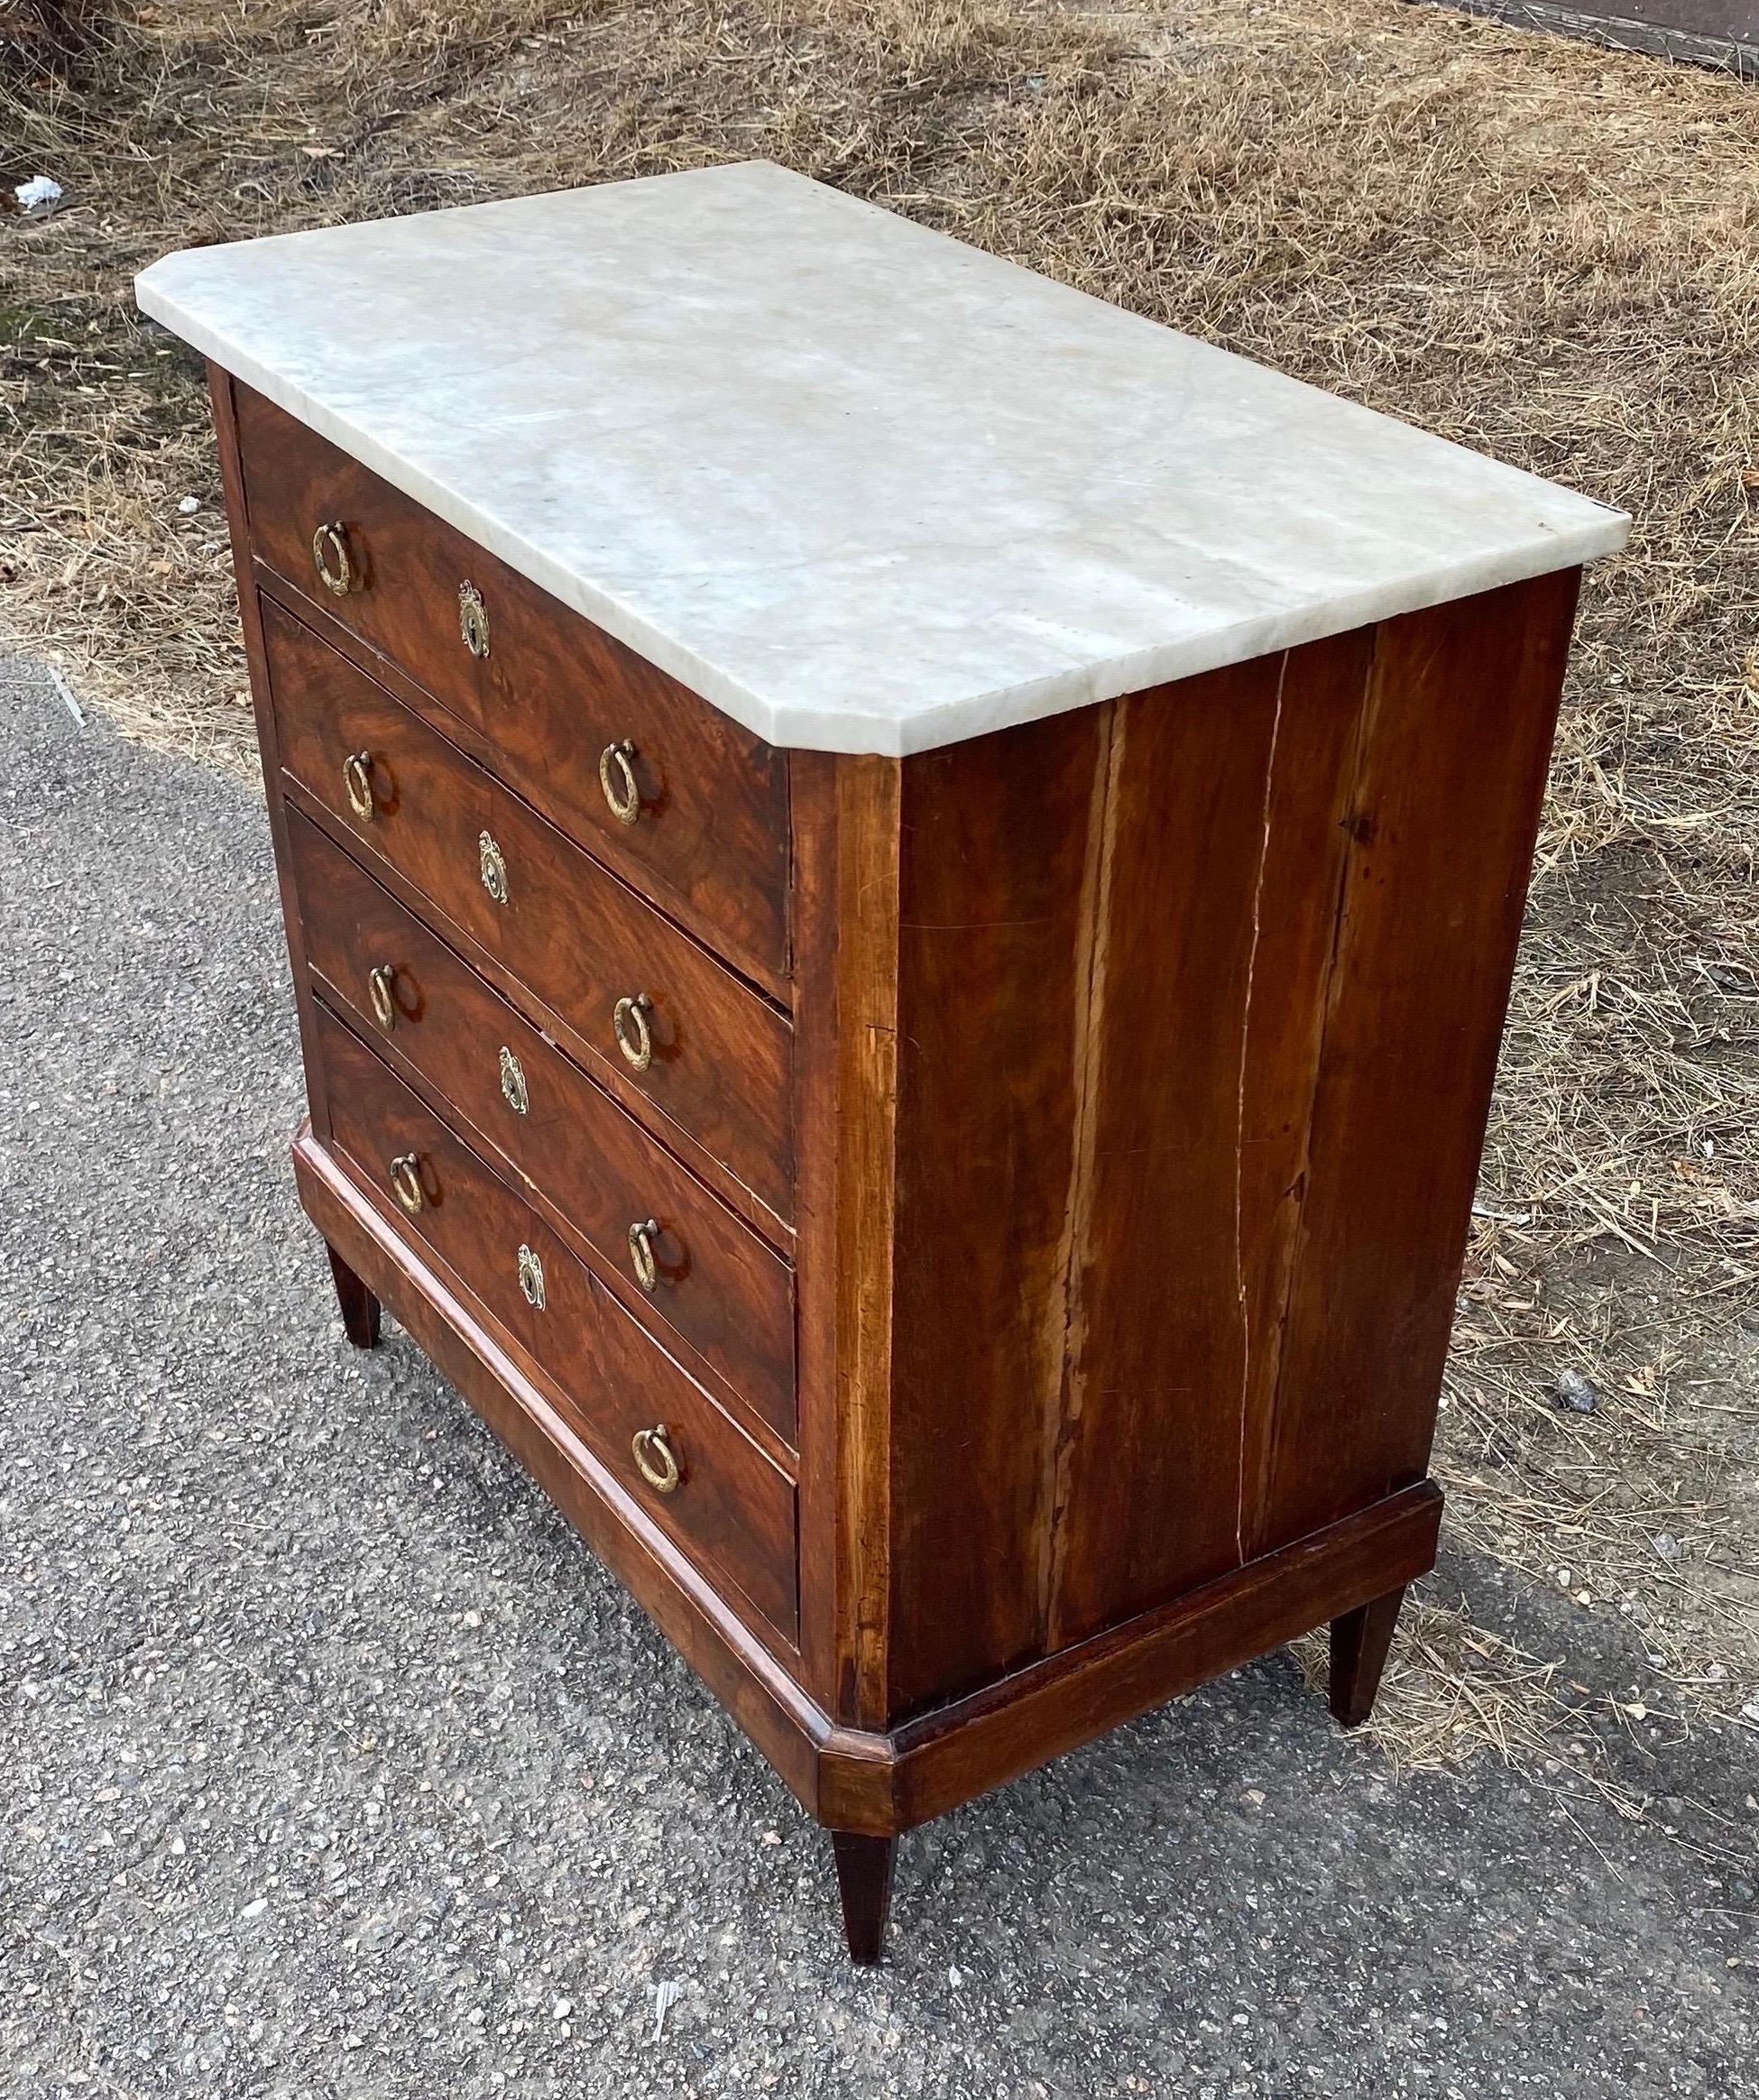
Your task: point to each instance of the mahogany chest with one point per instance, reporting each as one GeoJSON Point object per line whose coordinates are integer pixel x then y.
{"type": "Point", "coordinates": [901, 890]}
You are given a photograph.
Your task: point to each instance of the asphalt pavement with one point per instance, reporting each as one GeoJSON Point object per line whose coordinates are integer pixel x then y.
{"type": "Point", "coordinates": [332, 1764]}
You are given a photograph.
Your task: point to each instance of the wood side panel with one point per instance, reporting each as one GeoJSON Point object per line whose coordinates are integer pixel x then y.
{"type": "Point", "coordinates": [1460, 712]}
{"type": "Point", "coordinates": [553, 693]}
{"type": "Point", "coordinates": [1147, 1483]}
{"type": "Point", "coordinates": [995, 877]}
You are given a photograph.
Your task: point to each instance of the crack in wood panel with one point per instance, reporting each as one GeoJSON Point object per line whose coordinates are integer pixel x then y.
{"type": "Point", "coordinates": [1241, 1289]}
{"type": "Point", "coordinates": [1310, 788]}
{"type": "Point", "coordinates": [1149, 1474]}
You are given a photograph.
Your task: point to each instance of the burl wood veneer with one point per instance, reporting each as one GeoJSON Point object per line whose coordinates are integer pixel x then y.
{"type": "Point", "coordinates": [901, 889]}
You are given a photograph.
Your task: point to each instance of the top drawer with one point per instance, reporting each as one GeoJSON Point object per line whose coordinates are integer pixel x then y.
{"type": "Point", "coordinates": [625, 759]}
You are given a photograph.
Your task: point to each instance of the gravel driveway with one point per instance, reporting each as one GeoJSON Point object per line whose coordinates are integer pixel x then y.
{"type": "Point", "coordinates": [333, 1764]}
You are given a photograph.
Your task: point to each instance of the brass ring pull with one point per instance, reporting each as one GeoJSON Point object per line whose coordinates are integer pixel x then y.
{"type": "Point", "coordinates": [473, 620]}
{"type": "Point", "coordinates": [329, 557]}
{"type": "Point", "coordinates": [617, 777]}
{"type": "Point", "coordinates": [357, 778]}
{"type": "Point", "coordinates": [406, 1182]}
{"type": "Point", "coordinates": [633, 1031]}
{"type": "Point", "coordinates": [655, 1459]}
{"type": "Point", "coordinates": [379, 985]}
{"type": "Point", "coordinates": [640, 1253]}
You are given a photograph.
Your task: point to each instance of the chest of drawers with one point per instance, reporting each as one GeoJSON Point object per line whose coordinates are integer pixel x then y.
{"type": "Point", "coordinates": [901, 891]}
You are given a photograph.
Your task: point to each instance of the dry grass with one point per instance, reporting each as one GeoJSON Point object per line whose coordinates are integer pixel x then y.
{"type": "Point", "coordinates": [1544, 250]}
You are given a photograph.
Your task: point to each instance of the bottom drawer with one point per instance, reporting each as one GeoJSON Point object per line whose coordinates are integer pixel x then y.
{"type": "Point", "coordinates": [688, 1464]}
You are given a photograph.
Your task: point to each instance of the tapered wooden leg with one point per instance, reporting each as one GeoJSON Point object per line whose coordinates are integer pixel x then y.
{"type": "Point", "coordinates": [1359, 1642]}
{"type": "Point", "coordinates": [864, 1881]}
{"type": "Point", "coordinates": [360, 1308]}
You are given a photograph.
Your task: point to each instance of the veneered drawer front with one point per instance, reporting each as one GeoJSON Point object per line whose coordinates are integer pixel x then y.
{"type": "Point", "coordinates": [708, 1278]}
{"type": "Point", "coordinates": [731, 1510]}
{"type": "Point", "coordinates": [609, 965]}
{"type": "Point", "coordinates": [705, 801]}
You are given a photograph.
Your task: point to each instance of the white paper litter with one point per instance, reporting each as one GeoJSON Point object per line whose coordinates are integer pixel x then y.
{"type": "Point", "coordinates": [39, 194]}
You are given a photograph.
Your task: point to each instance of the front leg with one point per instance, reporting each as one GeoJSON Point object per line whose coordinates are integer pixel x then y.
{"type": "Point", "coordinates": [864, 1881]}
{"type": "Point", "coordinates": [360, 1308]}
{"type": "Point", "coordinates": [1359, 1642]}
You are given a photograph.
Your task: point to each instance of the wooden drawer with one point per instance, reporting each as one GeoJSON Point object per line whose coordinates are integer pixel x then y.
{"type": "Point", "coordinates": [731, 1510]}
{"type": "Point", "coordinates": [554, 695]}
{"type": "Point", "coordinates": [583, 941]}
{"type": "Point", "coordinates": [713, 1282]}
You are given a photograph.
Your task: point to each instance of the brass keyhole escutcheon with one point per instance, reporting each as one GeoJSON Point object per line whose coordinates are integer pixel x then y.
{"type": "Point", "coordinates": [474, 620]}
{"type": "Point", "coordinates": [531, 1278]}
{"type": "Point", "coordinates": [655, 1459]}
{"type": "Point", "coordinates": [617, 777]}
{"type": "Point", "coordinates": [642, 1260]}
{"type": "Point", "coordinates": [514, 1089]}
{"type": "Point", "coordinates": [329, 557]}
{"type": "Point", "coordinates": [406, 1182]}
{"type": "Point", "coordinates": [358, 779]}
{"type": "Point", "coordinates": [380, 984]}
{"type": "Point", "coordinates": [631, 1025]}
{"type": "Point", "coordinates": [492, 867]}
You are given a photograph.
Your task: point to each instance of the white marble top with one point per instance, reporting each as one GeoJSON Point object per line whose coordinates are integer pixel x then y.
{"type": "Point", "coordinates": [863, 487]}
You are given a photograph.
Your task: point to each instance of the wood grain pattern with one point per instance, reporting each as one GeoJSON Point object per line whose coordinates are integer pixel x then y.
{"type": "Point", "coordinates": [866, 1052]}
{"type": "Point", "coordinates": [1308, 814]}
{"type": "Point", "coordinates": [571, 932]}
{"type": "Point", "coordinates": [721, 1292]}
{"type": "Point", "coordinates": [845, 913]}
{"type": "Point", "coordinates": [1009, 1728]}
{"type": "Point", "coordinates": [552, 694]}
{"type": "Point", "coordinates": [1148, 1460]}
{"type": "Point", "coordinates": [989, 971]}
{"type": "Point", "coordinates": [1171, 975]}
{"type": "Point", "coordinates": [1457, 734]}
{"type": "Point", "coordinates": [734, 1510]}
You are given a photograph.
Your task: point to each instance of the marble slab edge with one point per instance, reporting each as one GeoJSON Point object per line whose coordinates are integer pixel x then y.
{"type": "Point", "coordinates": [844, 726]}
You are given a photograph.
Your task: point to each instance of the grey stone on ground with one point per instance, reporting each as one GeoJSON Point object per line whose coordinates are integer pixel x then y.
{"type": "Point", "coordinates": [335, 1765]}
